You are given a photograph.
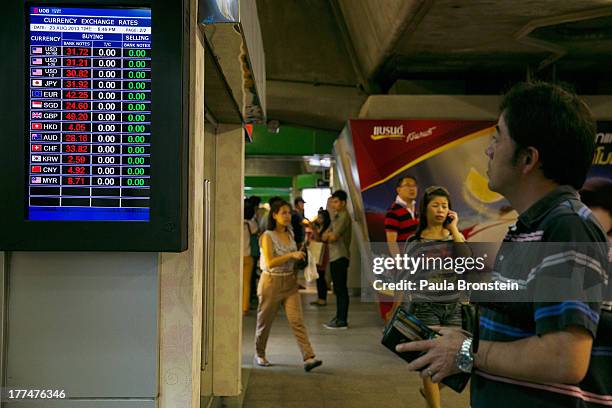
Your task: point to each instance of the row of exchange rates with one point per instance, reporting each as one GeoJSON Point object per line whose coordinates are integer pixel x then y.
{"type": "Point", "coordinates": [90, 123]}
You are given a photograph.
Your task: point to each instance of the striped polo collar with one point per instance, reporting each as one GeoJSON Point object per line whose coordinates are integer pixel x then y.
{"type": "Point", "coordinates": [534, 214]}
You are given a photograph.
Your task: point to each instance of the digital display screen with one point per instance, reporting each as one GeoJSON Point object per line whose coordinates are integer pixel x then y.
{"type": "Point", "coordinates": [89, 114]}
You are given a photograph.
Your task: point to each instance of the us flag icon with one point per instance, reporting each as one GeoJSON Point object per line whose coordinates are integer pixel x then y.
{"type": "Point", "coordinates": [36, 180]}
{"type": "Point", "coordinates": [36, 158]}
{"type": "Point", "coordinates": [36, 169]}
{"type": "Point", "coordinates": [36, 115]}
{"type": "Point", "coordinates": [37, 50]}
{"type": "Point", "coordinates": [37, 72]}
{"type": "Point", "coordinates": [36, 148]}
{"type": "Point", "coordinates": [36, 104]}
{"type": "Point", "coordinates": [36, 126]}
{"type": "Point", "coordinates": [37, 61]}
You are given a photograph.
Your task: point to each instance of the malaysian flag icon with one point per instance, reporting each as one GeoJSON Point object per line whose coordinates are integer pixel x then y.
{"type": "Point", "coordinates": [36, 126]}
{"type": "Point", "coordinates": [36, 158]}
{"type": "Point", "coordinates": [36, 169]}
{"type": "Point", "coordinates": [37, 94]}
{"type": "Point", "coordinates": [37, 72]}
{"type": "Point", "coordinates": [36, 115]}
{"type": "Point", "coordinates": [36, 104]}
{"type": "Point", "coordinates": [36, 148]}
{"type": "Point", "coordinates": [36, 180]}
{"type": "Point", "coordinates": [37, 82]}
{"type": "Point", "coordinates": [37, 50]}
{"type": "Point", "coordinates": [36, 136]}
{"type": "Point", "coordinates": [37, 61]}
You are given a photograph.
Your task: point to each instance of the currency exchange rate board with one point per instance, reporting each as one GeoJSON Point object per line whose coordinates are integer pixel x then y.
{"type": "Point", "coordinates": [89, 114]}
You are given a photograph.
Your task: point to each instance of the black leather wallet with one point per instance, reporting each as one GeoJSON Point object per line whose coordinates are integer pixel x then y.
{"type": "Point", "coordinates": [405, 327]}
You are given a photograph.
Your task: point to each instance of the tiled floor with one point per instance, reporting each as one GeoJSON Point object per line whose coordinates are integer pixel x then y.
{"type": "Point", "coordinates": [357, 371]}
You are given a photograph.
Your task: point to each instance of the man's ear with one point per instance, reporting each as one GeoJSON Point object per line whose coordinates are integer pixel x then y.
{"type": "Point", "coordinates": [530, 159]}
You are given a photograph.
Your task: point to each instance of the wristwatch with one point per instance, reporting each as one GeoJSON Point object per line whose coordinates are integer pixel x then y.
{"type": "Point", "coordinates": [465, 357]}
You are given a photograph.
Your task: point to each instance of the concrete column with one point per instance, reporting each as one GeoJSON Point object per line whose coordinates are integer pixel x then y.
{"type": "Point", "coordinates": [181, 274]}
{"type": "Point", "coordinates": [227, 328]}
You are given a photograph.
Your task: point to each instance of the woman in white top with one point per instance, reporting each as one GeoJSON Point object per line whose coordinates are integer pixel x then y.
{"type": "Point", "coordinates": [278, 285]}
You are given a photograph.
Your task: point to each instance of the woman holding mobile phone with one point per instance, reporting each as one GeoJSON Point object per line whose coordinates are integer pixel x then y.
{"type": "Point", "coordinates": [437, 225]}
{"type": "Point", "coordinates": [278, 285]}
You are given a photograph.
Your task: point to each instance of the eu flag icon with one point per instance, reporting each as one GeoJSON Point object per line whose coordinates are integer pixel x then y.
{"type": "Point", "coordinates": [37, 94]}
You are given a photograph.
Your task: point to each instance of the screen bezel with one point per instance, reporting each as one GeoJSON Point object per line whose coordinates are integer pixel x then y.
{"type": "Point", "coordinates": [167, 228]}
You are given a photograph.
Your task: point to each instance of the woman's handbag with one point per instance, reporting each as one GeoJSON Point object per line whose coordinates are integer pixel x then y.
{"type": "Point", "coordinates": [302, 263]}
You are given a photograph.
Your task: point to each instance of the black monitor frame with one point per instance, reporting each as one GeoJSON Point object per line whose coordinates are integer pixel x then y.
{"type": "Point", "coordinates": [167, 229]}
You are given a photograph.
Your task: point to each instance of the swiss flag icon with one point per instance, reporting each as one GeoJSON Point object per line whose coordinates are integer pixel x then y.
{"type": "Point", "coordinates": [36, 148]}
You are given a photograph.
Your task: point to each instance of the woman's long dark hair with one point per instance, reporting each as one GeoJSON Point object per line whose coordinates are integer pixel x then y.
{"type": "Point", "coordinates": [249, 210]}
{"type": "Point", "coordinates": [274, 209]}
{"type": "Point", "coordinates": [430, 193]}
{"type": "Point", "coordinates": [326, 218]}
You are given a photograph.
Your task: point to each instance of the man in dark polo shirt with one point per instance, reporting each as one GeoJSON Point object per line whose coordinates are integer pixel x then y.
{"type": "Point", "coordinates": [338, 236]}
{"type": "Point", "coordinates": [537, 354]}
{"type": "Point", "coordinates": [297, 220]}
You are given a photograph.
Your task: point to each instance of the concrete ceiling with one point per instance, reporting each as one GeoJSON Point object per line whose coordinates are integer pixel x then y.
{"type": "Point", "coordinates": [324, 57]}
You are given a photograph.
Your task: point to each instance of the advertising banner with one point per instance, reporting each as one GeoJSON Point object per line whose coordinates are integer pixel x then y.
{"type": "Point", "coordinates": [447, 153]}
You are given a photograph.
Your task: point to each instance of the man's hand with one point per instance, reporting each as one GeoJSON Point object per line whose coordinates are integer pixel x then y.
{"type": "Point", "coordinates": [440, 360]}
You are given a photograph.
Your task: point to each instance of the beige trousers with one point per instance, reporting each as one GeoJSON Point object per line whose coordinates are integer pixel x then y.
{"type": "Point", "coordinates": [274, 291]}
{"type": "Point", "coordinates": [247, 268]}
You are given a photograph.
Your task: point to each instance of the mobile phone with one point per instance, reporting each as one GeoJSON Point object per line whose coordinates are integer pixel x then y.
{"type": "Point", "coordinates": [405, 327]}
{"type": "Point", "coordinates": [448, 220]}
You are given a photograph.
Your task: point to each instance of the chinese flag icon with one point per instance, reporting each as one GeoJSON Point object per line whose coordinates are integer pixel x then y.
{"type": "Point", "coordinates": [36, 169]}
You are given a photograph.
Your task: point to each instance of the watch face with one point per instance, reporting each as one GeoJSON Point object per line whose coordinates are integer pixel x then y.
{"type": "Point", "coordinates": [464, 362]}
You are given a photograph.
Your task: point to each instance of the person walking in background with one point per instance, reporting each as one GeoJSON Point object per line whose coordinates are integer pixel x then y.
{"type": "Point", "coordinates": [249, 229]}
{"type": "Point", "coordinates": [278, 285]}
{"type": "Point", "coordinates": [438, 223]}
{"type": "Point", "coordinates": [263, 222]}
{"type": "Point", "coordinates": [338, 237]}
{"type": "Point", "coordinates": [319, 226]}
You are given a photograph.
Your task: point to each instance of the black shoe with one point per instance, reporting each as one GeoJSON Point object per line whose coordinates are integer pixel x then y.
{"type": "Point", "coordinates": [313, 364]}
{"type": "Point", "coordinates": [335, 324]}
